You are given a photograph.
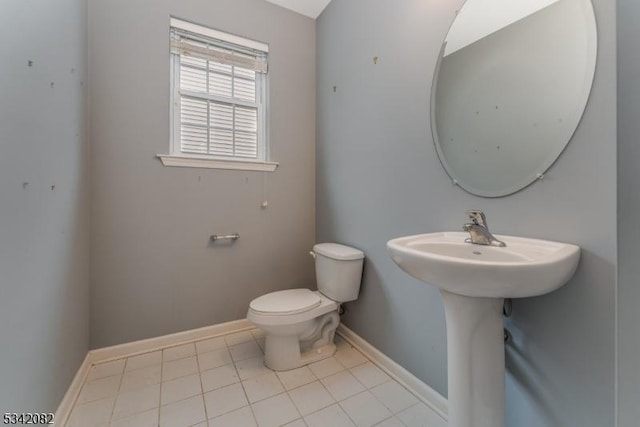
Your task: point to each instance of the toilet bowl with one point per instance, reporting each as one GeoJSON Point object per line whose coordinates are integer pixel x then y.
{"type": "Point", "coordinates": [300, 324]}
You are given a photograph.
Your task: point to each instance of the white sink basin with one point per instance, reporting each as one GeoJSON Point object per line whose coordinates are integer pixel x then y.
{"type": "Point", "coordinates": [524, 268]}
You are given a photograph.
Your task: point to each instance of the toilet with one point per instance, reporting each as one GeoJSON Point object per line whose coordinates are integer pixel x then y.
{"type": "Point", "coordinates": [300, 324]}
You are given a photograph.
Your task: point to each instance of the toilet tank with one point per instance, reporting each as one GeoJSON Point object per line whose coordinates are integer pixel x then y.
{"type": "Point", "coordinates": [338, 271]}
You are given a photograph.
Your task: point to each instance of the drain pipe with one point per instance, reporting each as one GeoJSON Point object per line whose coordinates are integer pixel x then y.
{"type": "Point", "coordinates": [507, 311]}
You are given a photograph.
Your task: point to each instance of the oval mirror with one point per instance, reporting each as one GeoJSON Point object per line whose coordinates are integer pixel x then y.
{"type": "Point", "coordinates": [511, 85]}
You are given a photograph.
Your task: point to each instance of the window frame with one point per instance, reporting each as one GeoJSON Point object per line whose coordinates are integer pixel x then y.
{"type": "Point", "coordinates": [179, 158]}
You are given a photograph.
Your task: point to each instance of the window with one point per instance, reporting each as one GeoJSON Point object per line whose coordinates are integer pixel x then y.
{"type": "Point", "coordinates": [218, 99]}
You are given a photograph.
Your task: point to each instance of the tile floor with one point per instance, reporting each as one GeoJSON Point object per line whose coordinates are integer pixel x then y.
{"type": "Point", "coordinates": [222, 382]}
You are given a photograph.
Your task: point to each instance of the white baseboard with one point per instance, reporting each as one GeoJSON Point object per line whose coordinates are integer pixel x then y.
{"type": "Point", "coordinates": [64, 409]}
{"type": "Point", "coordinates": [429, 396]}
{"type": "Point", "coordinates": [152, 344]}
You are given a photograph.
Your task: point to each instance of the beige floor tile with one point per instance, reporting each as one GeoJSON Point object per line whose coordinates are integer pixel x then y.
{"type": "Point", "coordinates": [143, 360]}
{"type": "Point", "coordinates": [395, 397]}
{"type": "Point", "coordinates": [107, 369]}
{"type": "Point", "coordinates": [261, 387]}
{"type": "Point", "coordinates": [140, 378]}
{"type": "Point", "coordinates": [242, 417]}
{"type": "Point", "coordinates": [92, 414]}
{"type": "Point", "coordinates": [311, 397]}
{"type": "Point", "coordinates": [179, 368]}
{"type": "Point", "coordinates": [275, 411]}
{"type": "Point", "coordinates": [238, 338]}
{"type": "Point", "coordinates": [183, 413]}
{"type": "Point", "coordinates": [365, 410]}
{"type": "Point", "coordinates": [349, 357]}
{"type": "Point", "coordinates": [214, 359]}
{"type": "Point", "coordinates": [99, 389]}
{"type": "Point", "coordinates": [342, 385]}
{"type": "Point", "coordinates": [180, 388]}
{"type": "Point", "coordinates": [219, 377]}
{"type": "Point", "coordinates": [143, 419]}
{"type": "Point", "coordinates": [333, 416]}
{"type": "Point", "coordinates": [326, 367]}
{"type": "Point", "coordinates": [225, 399]}
{"type": "Point", "coordinates": [210, 344]}
{"type": "Point", "coordinates": [369, 375]}
{"type": "Point", "coordinates": [244, 351]}
{"type": "Point", "coordinates": [133, 402]}
{"type": "Point", "coordinates": [178, 352]}
{"type": "Point", "coordinates": [296, 377]}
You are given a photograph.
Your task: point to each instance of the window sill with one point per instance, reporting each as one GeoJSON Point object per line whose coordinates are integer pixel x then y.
{"type": "Point", "coordinates": [209, 163]}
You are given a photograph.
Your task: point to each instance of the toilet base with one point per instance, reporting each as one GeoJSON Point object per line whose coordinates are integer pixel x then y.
{"type": "Point", "coordinates": [283, 353]}
{"type": "Point", "coordinates": [290, 351]}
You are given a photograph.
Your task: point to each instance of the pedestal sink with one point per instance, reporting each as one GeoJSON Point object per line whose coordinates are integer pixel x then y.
{"type": "Point", "coordinates": [473, 281]}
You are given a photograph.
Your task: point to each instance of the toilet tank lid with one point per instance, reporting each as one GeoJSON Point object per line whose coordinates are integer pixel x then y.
{"type": "Point", "coordinates": [339, 252]}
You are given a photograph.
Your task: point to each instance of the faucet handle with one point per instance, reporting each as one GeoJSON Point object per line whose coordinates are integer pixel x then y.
{"type": "Point", "coordinates": [477, 217]}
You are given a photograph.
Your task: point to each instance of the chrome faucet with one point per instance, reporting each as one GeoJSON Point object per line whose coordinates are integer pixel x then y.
{"type": "Point", "coordinates": [479, 230]}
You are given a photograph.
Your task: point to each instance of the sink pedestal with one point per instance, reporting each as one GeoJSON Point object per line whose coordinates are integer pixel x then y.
{"type": "Point", "coordinates": [475, 354]}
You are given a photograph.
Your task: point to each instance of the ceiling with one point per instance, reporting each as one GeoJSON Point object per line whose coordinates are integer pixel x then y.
{"type": "Point", "coordinates": [310, 8]}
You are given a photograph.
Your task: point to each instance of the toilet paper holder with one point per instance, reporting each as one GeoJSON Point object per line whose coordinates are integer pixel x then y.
{"type": "Point", "coordinates": [216, 237]}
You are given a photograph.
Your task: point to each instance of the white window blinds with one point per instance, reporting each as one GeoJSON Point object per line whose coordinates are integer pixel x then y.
{"type": "Point", "coordinates": [218, 93]}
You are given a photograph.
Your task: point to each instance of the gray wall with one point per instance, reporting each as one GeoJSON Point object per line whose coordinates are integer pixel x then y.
{"type": "Point", "coordinates": [379, 177]}
{"type": "Point", "coordinates": [44, 228]}
{"type": "Point", "coordinates": [152, 269]}
{"type": "Point", "coordinates": [628, 208]}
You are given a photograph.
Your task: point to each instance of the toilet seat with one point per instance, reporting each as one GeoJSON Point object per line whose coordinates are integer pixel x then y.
{"type": "Point", "coordinates": [291, 301]}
